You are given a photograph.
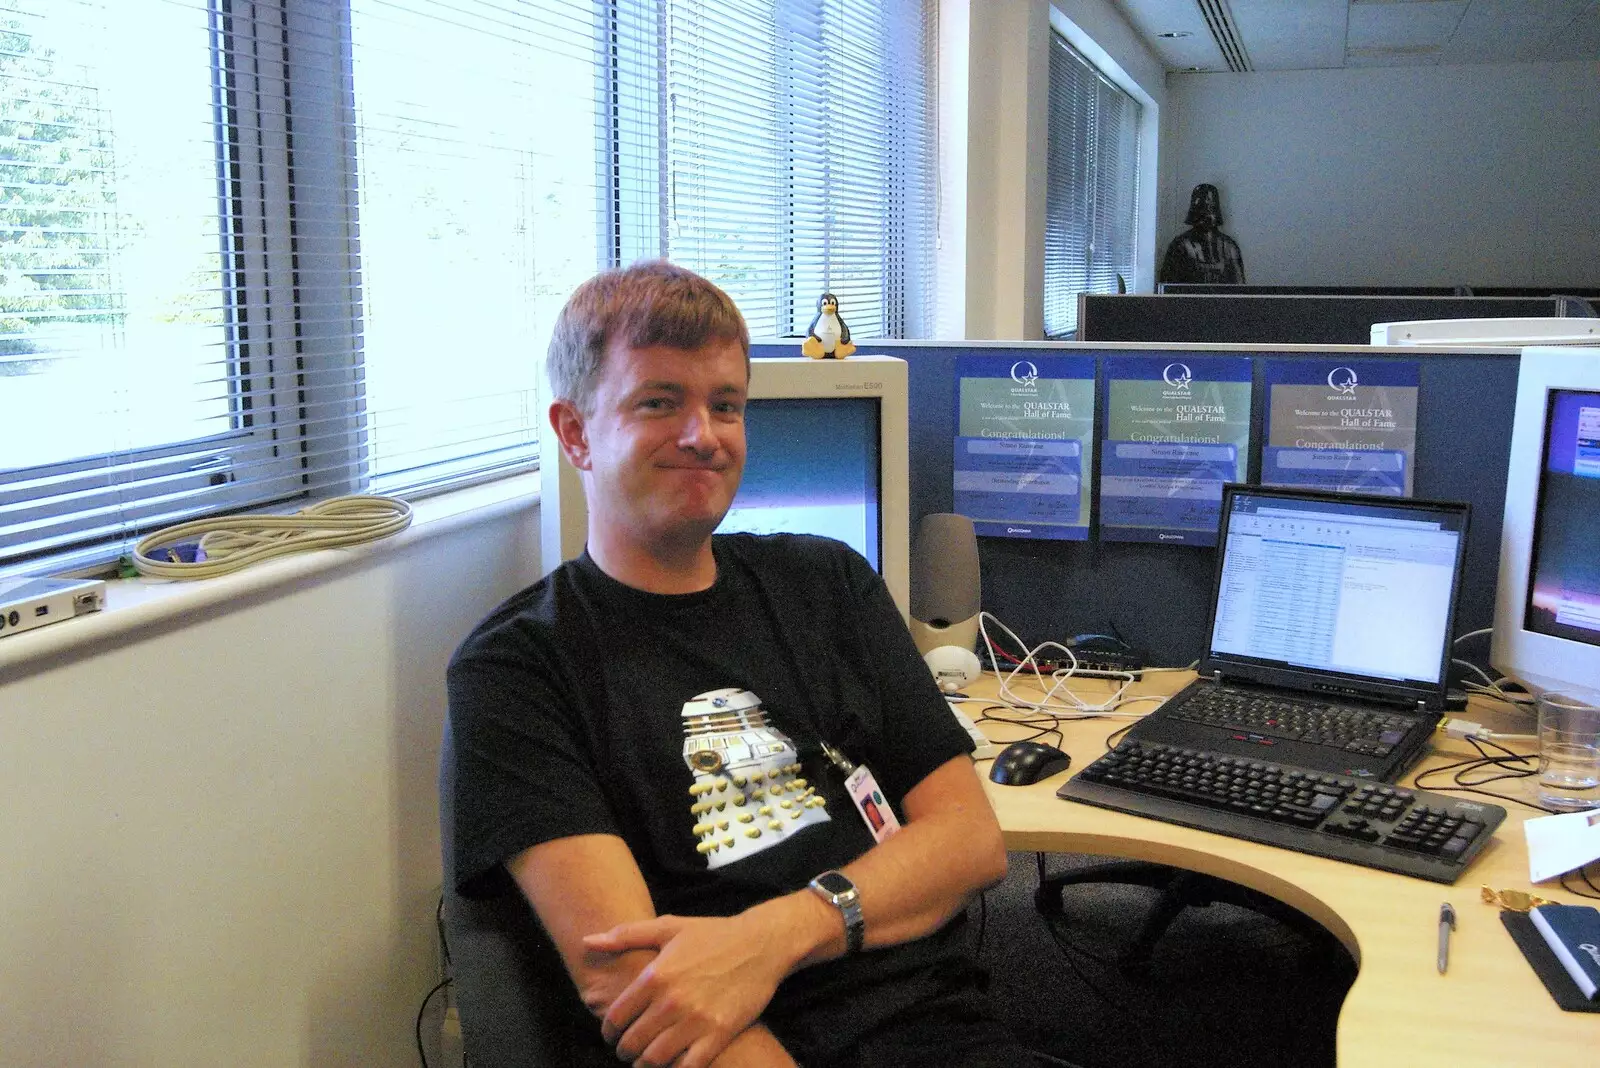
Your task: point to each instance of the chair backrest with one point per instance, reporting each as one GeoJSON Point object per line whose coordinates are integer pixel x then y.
{"type": "Point", "coordinates": [518, 1007]}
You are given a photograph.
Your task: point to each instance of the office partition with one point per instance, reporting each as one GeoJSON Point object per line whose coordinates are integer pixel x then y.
{"type": "Point", "coordinates": [1155, 596]}
{"type": "Point", "coordinates": [1280, 319]}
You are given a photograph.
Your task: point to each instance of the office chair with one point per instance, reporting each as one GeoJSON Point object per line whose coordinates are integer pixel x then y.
{"type": "Point", "coordinates": [518, 1008]}
{"type": "Point", "coordinates": [1179, 890]}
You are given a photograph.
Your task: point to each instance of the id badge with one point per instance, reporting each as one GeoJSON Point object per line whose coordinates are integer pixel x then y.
{"type": "Point", "coordinates": [870, 802]}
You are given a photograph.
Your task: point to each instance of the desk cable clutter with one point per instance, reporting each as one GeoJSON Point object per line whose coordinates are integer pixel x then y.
{"type": "Point", "coordinates": [1055, 698]}
{"type": "Point", "coordinates": [207, 548]}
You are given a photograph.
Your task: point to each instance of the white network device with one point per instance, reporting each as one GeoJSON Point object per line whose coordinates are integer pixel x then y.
{"type": "Point", "coordinates": [1489, 332]}
{"type": "Point", "coordinates": [26, 603]}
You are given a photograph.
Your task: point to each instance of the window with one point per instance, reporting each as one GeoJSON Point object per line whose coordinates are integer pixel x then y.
{"type": "Point", "coordinates": [792, 155]}
{"type": "Point", "coordinates": [284, 249]}
{"type": "Point", "coordinates": [1092, 187]}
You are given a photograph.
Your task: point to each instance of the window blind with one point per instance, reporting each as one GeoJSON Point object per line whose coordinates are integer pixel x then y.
{"type": "Point", "coordinates": [259, 252]}
{"type": "Point", "coordinates": [794, 149]}
{"type": "Point", "coordinates": [1092, 186]}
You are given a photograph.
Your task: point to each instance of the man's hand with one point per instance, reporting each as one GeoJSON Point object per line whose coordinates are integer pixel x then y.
{"type": "Point", "coordinates": [711, 979]}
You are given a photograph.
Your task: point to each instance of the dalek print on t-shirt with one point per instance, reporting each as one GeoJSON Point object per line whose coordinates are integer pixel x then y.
{"type": "Point", "coordinates": [747, 793]}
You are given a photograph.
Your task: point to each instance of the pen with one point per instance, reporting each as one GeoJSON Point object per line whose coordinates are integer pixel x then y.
{"type": "Point", "coordinates": [1447, 923]}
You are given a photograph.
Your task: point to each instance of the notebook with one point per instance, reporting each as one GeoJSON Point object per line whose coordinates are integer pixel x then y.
{"type": "Point", "coordinates": [1331, 613]}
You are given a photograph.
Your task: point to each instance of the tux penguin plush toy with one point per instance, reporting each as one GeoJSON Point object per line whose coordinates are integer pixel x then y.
{"type": "Point", "coordinates": [827, 338]}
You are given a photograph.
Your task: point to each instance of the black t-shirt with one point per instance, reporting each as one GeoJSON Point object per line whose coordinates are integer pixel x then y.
{"type": "Point", "coordinates": [568, 707]}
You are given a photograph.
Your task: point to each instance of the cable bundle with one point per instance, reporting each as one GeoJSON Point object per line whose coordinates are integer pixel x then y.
{"type": "Point", "coordinates": [228, 543]}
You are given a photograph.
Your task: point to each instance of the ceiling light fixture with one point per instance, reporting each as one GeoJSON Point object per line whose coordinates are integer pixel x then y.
{"type": "Point", "coordinates": [1173, 35]}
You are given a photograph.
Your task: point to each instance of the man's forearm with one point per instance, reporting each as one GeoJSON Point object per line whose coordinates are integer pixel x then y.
{"type": "Point", "coordinates": [912, 883]}
{"type": "Point", "coordinates": [605, 979]}
{"type": "Point", "coordinates": [714, 976]}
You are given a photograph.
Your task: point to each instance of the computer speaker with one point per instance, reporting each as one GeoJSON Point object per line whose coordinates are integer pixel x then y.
{"type": "Point", "coordinates": [945, 584]}
{"type": "Point", "coordinates": [952, 667]}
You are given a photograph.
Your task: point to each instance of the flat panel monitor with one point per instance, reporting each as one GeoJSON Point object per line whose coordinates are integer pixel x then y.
{"type": "Point", "coordinates": [827, 454]}
{"type": "Point", "coordinates": [1547, 603]}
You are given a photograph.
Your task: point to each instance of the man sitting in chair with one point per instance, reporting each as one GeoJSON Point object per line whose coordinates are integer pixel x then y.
{"type": "Point", "coordinates": [661, 742]}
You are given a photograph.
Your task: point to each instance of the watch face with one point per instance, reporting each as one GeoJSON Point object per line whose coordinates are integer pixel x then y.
{"type": "Point", "coordinates": [834, 883]}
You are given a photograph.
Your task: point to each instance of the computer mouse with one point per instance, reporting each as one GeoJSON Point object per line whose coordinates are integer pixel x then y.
{"type": "Point", "coordinates": [1024, 763]}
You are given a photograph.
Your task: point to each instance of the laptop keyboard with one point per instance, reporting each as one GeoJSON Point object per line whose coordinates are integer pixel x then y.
{"type": "Point", "coordinates": [1357, 730]}
{"type": "Point", "coordinates": [1391, 828]}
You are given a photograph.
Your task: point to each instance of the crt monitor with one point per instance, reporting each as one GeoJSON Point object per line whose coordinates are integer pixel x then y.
{"type": "Point", "coordinates": [827, 454]}
{"type": "Point", "coordinates": [1547, 604]}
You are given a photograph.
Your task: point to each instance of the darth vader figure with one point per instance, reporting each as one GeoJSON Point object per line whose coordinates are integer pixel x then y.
{"type": "Point", "coordinates": [1203, 253]}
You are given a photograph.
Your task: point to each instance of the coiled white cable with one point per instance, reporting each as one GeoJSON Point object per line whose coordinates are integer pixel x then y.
{"type": "Point", "coordinates": [228, 543]}
{"type": "Point", "coordinates": [1057, 701]}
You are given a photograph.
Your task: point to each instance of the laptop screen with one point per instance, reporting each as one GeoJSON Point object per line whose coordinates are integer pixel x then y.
{"type": "Point", "coordinates": [1343, 584]}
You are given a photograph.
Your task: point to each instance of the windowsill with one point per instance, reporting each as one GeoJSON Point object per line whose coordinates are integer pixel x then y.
{"type": "Point", "coordinates": [137, 604]}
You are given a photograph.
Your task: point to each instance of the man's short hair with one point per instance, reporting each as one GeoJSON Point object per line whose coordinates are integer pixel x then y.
{"type": "Point", "coordinates": [650, 303]}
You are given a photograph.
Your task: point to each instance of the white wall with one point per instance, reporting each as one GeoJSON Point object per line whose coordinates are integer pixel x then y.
{"type": "Point", "coordinates": [220, 834]}
{"type": "Point", "coordinates": [1485, 175]}
{"type": "Point", "coordinates": [1001, 201]}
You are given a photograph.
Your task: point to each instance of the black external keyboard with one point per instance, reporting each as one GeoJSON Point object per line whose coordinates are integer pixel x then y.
{"type": "Point", "coordinates": [1391, 828]}
{"type": "Point", "coordinates": [1360, 730]}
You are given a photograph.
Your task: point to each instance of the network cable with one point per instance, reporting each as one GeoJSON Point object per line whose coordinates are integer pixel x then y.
{"type": "Point", "coordinates": [207, 548]}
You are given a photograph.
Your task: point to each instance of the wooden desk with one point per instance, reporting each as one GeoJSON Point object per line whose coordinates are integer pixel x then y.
{"type": "Point", "coordinates": [1489, 1009]}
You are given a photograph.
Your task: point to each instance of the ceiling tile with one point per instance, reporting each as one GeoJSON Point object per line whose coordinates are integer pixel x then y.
{"type": "Point", "coordinates": [1314, 34]}
{"type": "Point", "coordinates": [1580, 39]}
{"type": "Point", "coordinates": [1495, 31]}
{"type": "Point", "coordinates": [1308, 35]}
{"type": "Point", "coordinates": [1406, 25]}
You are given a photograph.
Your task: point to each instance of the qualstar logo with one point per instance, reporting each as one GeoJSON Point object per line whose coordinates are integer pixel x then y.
{"type": "Point", "coordinates": [1343, 380]}
{"type": "Point", "coordinates": [1025, 373]}
{"type": "Point", "coordinates": [1177, 375]}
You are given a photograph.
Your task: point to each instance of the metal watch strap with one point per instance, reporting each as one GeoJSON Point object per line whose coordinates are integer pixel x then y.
{"type": "Point", "coordinates": [849, 905]}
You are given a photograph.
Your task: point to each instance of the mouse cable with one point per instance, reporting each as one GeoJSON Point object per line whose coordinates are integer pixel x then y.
{"type": "Point", "coordinates": [1041, 723]}
{"type": "Point", "coordinates": [1114, 737]}
{"type": "Point", "coordinates": [1510, 766]}
{"type": "Point", "coordinates": [1593, 894]}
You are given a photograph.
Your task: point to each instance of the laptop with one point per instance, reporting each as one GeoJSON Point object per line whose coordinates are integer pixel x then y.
{"type": "Point", "coordinates": [1328, 642]}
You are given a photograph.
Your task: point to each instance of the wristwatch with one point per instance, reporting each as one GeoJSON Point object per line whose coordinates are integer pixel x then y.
{"type": "Point", "coordinates": [837, 890]}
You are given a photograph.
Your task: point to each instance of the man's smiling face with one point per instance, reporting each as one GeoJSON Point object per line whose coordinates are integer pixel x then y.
{"type": "Point", "coordinates": [664, 440]}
